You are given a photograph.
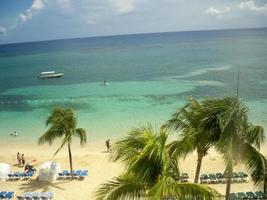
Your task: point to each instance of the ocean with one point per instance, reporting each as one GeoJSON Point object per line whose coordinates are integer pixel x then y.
{"type": "Point", "coordinates": [149, 76]}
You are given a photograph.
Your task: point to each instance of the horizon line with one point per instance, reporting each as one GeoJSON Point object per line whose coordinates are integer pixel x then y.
{"type": "Point", "coordinates": [130, 34]}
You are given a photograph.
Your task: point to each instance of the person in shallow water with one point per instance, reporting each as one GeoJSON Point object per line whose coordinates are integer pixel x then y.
{"type": "Point", "coordinates": [108, 145]}
{"type": "Point", "coordinates": [15, 134]}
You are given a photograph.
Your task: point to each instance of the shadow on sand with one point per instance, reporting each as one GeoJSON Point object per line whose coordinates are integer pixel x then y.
{"type": "Point", "coordinates": [17, 165]}
{"type": "Point", "coordinates": [34, 184]}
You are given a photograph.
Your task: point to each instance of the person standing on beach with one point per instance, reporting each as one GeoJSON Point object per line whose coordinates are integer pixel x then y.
{"type": "Point", "coordinates": [22, 160]}
{"type": "Point", "coordinates": [108, 145]}
{"type": "Point", "coordinates": [18, 158]}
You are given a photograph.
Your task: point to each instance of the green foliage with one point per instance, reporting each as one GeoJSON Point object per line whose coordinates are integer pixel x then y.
{"type": "Point", "coordinates": [62, 124]}
{"type": "Point", "coordinates": [151, 172]}
{"type": "Point", "coordinates": [239, 140]}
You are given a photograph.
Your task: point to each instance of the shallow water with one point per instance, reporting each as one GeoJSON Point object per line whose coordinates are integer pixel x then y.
{"type": "Point", "coordinates": [149, 76]}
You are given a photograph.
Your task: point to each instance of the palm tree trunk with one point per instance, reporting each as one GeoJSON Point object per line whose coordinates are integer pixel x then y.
{"type": "Point", "coordinates": [70, 159]}
{"type": "Point", "coordinates": [199, 163]}
{"type": "Point", "coordinates": [265, 184]}
{"type": "Point", "coordinates": [228, 183]}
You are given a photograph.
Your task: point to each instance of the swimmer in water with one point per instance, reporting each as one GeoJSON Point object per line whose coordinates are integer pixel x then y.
{"type": "Point", "coordinates": [15, 134]}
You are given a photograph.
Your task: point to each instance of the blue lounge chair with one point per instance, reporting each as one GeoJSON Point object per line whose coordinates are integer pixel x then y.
{"type": "Point", "coordinates": [27, 195]}
{"type": "Point", "coordinates": [242, 175]}
{"type": "Point", "coordinates": [6, 195]}
{"type": "Point", "coordinates": [204, 178]}
{"type": "Point", "coordinates": [14, 176]}
{"type": "Point", "coordinates": [213, 179]}
{"type": "Point", "coordinates": [77, 173]}
{"type": "Point", "coordinates": [259, 195]}
{"type": "Point", "coordinates": [36, 195]}
{"type": "Point", "coordinates": [66, 173]}
{"type": "Point", "coordinates": [2, 194]}
{"type": "Point", "coordinates": [251, 195]}
{"type": "Point", "coordinates": [61, 175]}
{"type": "Point", "coordinates": [46, 195]}
{"type": "Point", "coordinates": [83, 174]}
{"type": "Point", "coordinates": [241, 195]}
{"type": "Point", "coordinates": [30, 174]}
{"type": "Point", "coordinates": [184, 177]}
{"type": "Point", "coordinates": [9, 195]}
{"type": "Point", "coordinates": [233, 196]}
{"type": "Point", "coordinates": [24, 176]}
{"type": "Point", "coordinates": [220, 178]}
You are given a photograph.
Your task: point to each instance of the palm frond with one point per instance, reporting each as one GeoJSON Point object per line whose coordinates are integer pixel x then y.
{"type": "Point", "coordinates": [255, 162]}
{"type": "Point", "coordinates": [129, 146]}
{"type": "Point", "coordinates": [169, 188]}
{"type": "Point", "coordinates": [121, 188]}
{"type": "Point", "coordinates": [180, 148]}
{"type": "Point", "coordinates": [255, 135]}
{"type": "Point", "coordinates": [49, 136]}
{"type": "Point", "coordinates": [81, 133]}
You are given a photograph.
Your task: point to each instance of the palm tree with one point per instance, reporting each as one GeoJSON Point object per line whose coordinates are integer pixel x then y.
{"type": "Point", "coordinates": [239, 139]}
{"type": "Point", "coordinates": [258, 169]}
{"type": "Point", "coordinates": [151, 172]}
{"type": "Point", "coordinates": [193, 137]}
{"type": "Point", "coordinates": [62, 124]}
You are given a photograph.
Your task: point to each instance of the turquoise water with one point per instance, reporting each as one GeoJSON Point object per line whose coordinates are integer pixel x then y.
{"type": "Point", "coordinates": [149, 76]}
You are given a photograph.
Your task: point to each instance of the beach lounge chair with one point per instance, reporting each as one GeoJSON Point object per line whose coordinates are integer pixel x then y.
{"type": "Point", "coordinates": [184, 177]}
{"type": "Point", "coordinates": [241, 195]}
{"type": "Point", "coordinates": [66, 174]}
{"type": "Point", "coordinates": [83, 174]}
{"type": "Point", "coordinates": [14, 176]}
{"type": "Point", "coordinates": [2, 194]}
{"type": "Point", "coordinates": [9, 195]}
{"type": "Point", "coordinates": [46, 195]}
{"type": "Point", "coordinates": [213, 179]}
{"type": "Point", "coordinates": [30, 174]}
{"type": "Point", "coordinates": [260, 195]}
{"type": "Point", "coordinates": [204, 178]}
{"type": "Point", "coordinates": [24, 176]}
{"type": "Point", "coordinates": [236, 178]}
{"type": "Point", "coordinates": [220, 178]}
{"type": "Point", "coordinates": [27, 196]}
{"type": "Point", "coordinates": [36, 196]}
{"type": "Point", "coordinates": [242, 174]}
{"type": "Point", "coordinates": [251, 195]}
{"type": "Point", "coordinates": [6, 195]}
{"type": "Point", "coordinates": [60, 175]}
{"type": "Point", "coordinates": [233, 196]}
{"type": "Point", "coordinates": [77, 173]}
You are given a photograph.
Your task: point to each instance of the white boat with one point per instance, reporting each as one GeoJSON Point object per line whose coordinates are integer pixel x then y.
{"type": "Point", "coordinates": [50, 74]}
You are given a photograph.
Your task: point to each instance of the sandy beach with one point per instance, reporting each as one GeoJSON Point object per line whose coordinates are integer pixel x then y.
{"type": "Point", "coordinates": [94, 158]}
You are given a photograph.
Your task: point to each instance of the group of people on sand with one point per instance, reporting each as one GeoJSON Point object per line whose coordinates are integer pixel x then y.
{"type": "Point", "coordinates": [22, 162]}
{"type": "Point", "coordinates": [20, 159]}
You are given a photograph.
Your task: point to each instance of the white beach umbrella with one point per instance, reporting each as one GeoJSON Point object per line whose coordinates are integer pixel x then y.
{"type": "Point", "coordinates": [49, 171]}
{"type": "Point", "coordinates": [4, 171]}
